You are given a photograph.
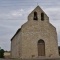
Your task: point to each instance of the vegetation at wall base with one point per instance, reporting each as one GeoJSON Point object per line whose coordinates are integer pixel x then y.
{"type": "Point", "coordinates": [1, 53]}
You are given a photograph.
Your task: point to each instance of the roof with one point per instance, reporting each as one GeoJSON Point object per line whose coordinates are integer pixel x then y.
{"type": "Point", "coordinates": [16, 33]}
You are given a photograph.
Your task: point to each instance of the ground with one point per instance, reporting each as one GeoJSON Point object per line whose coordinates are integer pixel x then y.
{"type": "Point", "coordinates": [40, 58]}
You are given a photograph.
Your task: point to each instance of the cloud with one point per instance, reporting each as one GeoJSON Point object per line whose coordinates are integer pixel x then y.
{"type": "Point", "coordinates": [53, 13]}
{"type": "Point", "coordinates": [5, 40]}
{"type": "Point", "coordinates": [17, 13]}
{"type": "Point", "coordinates": [12, 14]}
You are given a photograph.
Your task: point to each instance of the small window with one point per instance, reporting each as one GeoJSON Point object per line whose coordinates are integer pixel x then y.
{"type": "Point", "coordinates": [35, 16]}
{"type": "Point", "coordinates": [42, 16]}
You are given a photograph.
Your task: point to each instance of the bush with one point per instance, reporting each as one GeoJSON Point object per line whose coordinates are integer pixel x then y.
{"type": "Point", "coordinates": [1, 53]}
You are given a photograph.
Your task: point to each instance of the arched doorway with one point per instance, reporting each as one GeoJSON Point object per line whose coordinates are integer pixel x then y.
{"type": "Point", "coordinates": [41, 48]}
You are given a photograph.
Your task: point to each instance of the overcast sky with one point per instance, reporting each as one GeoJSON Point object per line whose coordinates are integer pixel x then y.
{"type": "Point", "coordinates": [13, 13]}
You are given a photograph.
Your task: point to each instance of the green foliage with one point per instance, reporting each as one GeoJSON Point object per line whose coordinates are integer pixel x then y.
{"type": "Point", "coordinates": [1, 53]}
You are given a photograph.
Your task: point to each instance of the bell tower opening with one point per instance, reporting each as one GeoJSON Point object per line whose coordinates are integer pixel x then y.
{"type": "Point", "coordinates": [35, 16]}
{"type": "Point", "coordinates": [42, 16]}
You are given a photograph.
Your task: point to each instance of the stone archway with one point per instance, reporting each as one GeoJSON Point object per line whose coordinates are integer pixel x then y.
{"type": "Point", "coordinates": [41, 48]}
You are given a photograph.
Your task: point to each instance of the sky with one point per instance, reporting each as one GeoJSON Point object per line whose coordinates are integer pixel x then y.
{"type": "Point", "coordinates": [14, 13]}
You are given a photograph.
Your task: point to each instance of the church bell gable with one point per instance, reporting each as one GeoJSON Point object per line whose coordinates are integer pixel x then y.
{"type": "Point", "coordinates": [38, 15]}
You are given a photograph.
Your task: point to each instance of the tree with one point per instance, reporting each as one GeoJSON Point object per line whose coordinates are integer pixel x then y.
{"type": "Point", "coordinates": [1, 53]}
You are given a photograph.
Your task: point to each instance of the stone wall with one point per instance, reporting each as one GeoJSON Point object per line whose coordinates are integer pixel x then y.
{"type": "Point", "coordinates": [16, 46]}
{"type": "Point", "coordinates": [24, 44]}
{"type": "Point", "coordinates": [34, 30]}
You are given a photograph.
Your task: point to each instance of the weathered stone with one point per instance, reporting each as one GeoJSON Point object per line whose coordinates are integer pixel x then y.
{"type": "Point", "coordinates": [24, 44]}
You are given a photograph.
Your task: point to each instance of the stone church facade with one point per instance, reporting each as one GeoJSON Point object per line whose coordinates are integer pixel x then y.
{"type": "Point", "coordinates": [37, 37]}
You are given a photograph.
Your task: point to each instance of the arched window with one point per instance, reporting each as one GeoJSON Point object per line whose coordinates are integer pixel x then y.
{"type": "Point", "coordinates": [35, 16]}
{"type": "Point", "coordinates": [42, 16]}
{"type": "Point", "coordinates": [41, 48]}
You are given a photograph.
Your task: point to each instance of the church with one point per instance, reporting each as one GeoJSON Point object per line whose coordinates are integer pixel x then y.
{"type": "Point", "coordinates": [37, 37]}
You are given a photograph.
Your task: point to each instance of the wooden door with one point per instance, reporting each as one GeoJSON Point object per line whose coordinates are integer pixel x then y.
{"type": "Point", "coordinates": [41, 48]}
